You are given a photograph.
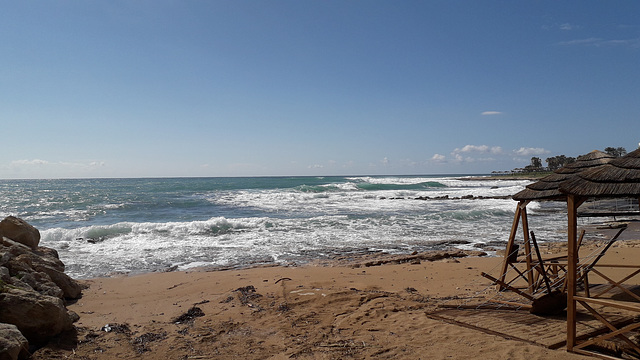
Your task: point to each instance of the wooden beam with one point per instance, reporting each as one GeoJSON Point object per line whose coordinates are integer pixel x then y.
{"type": "Point", "coordinates": [618, 284]}
{"type": "Point", "coordinates": [508, 249]}
{"type": "Point", "coordinates": [615, 332]}
{"type": "Point", "coordinates": [507, 286]}
{"type": "Point", "coordinates": [609, 213]}
{"type": "Point", "coordinates": [618, 266]}
{"type": "Point", "coordinates": [527, 248]}
{"type": "Point", "coordinates": [572, 259]}
{"type": "Point", "coordinates": [625, 305]}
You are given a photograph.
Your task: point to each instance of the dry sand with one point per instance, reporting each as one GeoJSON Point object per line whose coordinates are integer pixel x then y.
{"type": "Point", "coordinates": [309, 312]}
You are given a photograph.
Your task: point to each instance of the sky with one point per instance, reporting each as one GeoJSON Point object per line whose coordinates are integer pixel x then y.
{"type": "Point", "coordinates": [312, 87]}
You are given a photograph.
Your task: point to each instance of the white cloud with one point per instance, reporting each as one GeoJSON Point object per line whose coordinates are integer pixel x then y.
{"type": "Point", "coordinates": [316, 166]}
{"type": "Point", "coordinates": [471, 148]}
{"type": "Point", "coordinates": [567, 26]}
{"type": "Point", "coordinates": [483, 149]}
{"type": "Point", "coordinates": [38, 168]}
{"type": "Point", "coordinates": [385, 161]}
{"type": "Point", "coordinates": [468, 151]}
{"type": "Point", "coordinates": [485, 113]}
{"type": "Point", "coordinates": [529, 151]}
{"type": "Point", "coordinates": [30, 162]}
{"type": "Point", "coordinates": [25, 163]}
{"type": "Point", "coordinates": [598, 42]}
{"type": "Point", "coordinates": [589, 41]}
{"type": "Point", "coordinates": [486, 159]}
{"type": "Point", "coordinates": [564, 27]}
{"type": "Point", "coordinates": [438, 158]}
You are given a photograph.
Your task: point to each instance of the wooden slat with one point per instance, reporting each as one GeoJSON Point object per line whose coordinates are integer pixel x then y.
{"type": "Point", "coordinates": [611, 303]}
{"type": "Point", "coordinates": [507, 286]}
{"type": "Point", "coordinates": [520, 325]}
{"type": "Point", "coordinates": [615, 332]}
{"type": "Point", "coordinates": [616, 284]}
{"type": "Point", "coordinates": [618, 266]}
{"type": "Point", "coordinates": [608, 213]}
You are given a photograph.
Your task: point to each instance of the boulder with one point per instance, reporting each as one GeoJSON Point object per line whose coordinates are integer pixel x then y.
{"type": "Point", "coordinates": [70, 288]}
{"type": "Point", "coordinates": [51, 256]}
{"type": "Point", "coordinates": [40, 270]}
{"type": "Point", "coordinates": [13, 345]}
{"type": "Point", "coordinates": [19, 230]}
{"type": "Point", "coordinates": [39, 282]}
{"type": "Point", "coordinates": [38, 317]}
{"type": "Point", "coordinates": [33, 287]}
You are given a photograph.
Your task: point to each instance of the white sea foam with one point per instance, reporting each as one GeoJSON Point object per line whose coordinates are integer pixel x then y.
{"type": "Point", "coordinates": [140, 225]}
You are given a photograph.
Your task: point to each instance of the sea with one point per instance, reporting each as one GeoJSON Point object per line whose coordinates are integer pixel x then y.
{"type": "Point", "coordinates": [102, 227]}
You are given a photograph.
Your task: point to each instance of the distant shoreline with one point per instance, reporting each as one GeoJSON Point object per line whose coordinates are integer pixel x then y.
{"type": "Point", "coordinates": [529, 176]}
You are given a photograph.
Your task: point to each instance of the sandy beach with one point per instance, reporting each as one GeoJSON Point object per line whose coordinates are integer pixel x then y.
{"type": "Point", "coordinates": [323, 311]}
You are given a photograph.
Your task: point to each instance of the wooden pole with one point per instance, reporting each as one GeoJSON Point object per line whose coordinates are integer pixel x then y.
{"type": "Point", "coordinates": [509, 248]}
{"type": "Point", "coordinates": [571, 271]}
{"type": "Point", "coordinates": [527, 247]}
{"type": "Point", "coordinates": [573, 202]}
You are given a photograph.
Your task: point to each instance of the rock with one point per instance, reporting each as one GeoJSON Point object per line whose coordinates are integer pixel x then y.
{"type": "Point", "coordinates": [39, 282]}
{"type": "Point", "coordinates": [51, 256]}
{"type": "Point", "coordinates": [40, 270]}
{"type": "Point", "coordinates": [13, 345]}
{"type": "Point", "coordinates": [38, 317]}
{"type": "Point", "coordinates": [14, 248]}
{"type": "Point", "coordinates": [19, 230]}
{"type": "Point", "coordinates": [33, 287]}
{"type": "Point", "coordinates": [70, 288]}
{"type": "Point", "coordinates": [4, 274]}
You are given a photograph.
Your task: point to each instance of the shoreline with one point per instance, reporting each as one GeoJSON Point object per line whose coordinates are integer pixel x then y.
{"type": "Point", "coordinates": [530, 177]}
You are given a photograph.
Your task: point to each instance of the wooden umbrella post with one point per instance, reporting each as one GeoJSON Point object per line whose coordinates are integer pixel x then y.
{"type": "Point", "coordinates": [527, 247]}
{"type": "Point", "coordinates": [571, 271]}
{"type": "Point", "coordinates": [573, 202]}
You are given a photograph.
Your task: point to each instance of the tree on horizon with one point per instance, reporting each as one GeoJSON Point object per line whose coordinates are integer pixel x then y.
{"type": "Point", "coordinates": [556, 162]}
{"type": "Point", "coordinates": [536, 165]}
{"type": "Point", "coordinates": [617, 152]}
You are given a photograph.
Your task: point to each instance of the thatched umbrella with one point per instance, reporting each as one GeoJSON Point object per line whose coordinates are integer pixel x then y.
{"type": "Point", "coordinates": [618, 178]}
{"type": "Point", "coordinates": [547, 188]}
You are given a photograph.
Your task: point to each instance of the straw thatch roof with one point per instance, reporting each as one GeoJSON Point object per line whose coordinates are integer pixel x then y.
{"type": "Point", "coordinates": [619, 178]}
{"type": "Point", "coordinates": [547, 188]}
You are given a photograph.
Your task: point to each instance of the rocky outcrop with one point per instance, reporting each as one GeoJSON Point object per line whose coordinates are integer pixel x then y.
{"type": "Point", "coordinates": [38, 317]}
{"type": "Point", "coordinates": [33, 288]}
{"type": "Point", "coordinates": [40, 270]}
{"type": "Point", "coordinates": [13, 345]}
{"type": "Point", "coordinates": [19, 230]}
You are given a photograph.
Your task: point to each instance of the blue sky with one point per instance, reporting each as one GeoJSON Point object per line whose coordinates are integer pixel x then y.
{"type": "Point", "coordinates": [251, 88]}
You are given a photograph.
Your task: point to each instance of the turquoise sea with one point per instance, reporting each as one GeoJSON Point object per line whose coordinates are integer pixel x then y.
{"type": "Point", "coordinates": [106, 226]}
